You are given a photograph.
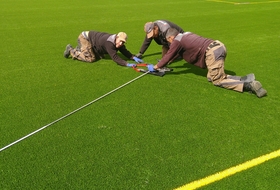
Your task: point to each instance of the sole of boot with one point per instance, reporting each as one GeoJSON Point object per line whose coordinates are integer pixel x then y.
{"type": "Point", "coordinates": [257, 88]}
{"type": "Point", "coordinates": [66, 53]}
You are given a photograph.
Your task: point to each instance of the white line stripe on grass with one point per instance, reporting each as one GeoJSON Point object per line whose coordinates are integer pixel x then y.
{"type": "Point", "coordinates": [34, 132]}
{"type": "Point", "coordinates": [231, 171]}
{"type": "Point", "coordinates": [243, 3]}
{"type": "Point", "coordinates": [262, 2]}
{"type": "Point", "coordinates": [218, 1]}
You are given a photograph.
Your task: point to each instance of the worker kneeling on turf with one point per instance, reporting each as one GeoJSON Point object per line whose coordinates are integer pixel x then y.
{"type": "Point", "coordinates": [210, 54]}
{"type": "Point", "coordinates": [93, 45]}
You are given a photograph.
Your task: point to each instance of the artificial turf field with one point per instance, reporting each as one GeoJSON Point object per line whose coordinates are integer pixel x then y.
{"type": "Point", "coordinates": [155, 133]}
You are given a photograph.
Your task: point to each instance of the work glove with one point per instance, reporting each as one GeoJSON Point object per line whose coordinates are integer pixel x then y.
{"type": "Point", "coordinates": [139, 55]}
{"type": "Point", "coordinates": [136, 59]}
{"type": "Point", "coordinates": [151, 68]}
{"type": "Point", "coordinates": [130, 65]}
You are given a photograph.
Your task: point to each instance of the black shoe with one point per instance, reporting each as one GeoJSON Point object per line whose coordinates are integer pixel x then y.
{"type": "Point", "coordinates": [67, 51]}
{"type": "Point", "coordinates": [248, 78]}
{"type": "Point", "coordinates": [255, 87]}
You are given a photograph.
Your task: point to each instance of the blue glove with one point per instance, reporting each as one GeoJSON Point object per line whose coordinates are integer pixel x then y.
{"type": "Point", "coordinates": [136, 59]}
{"type": "Point", "coordinates": [151, 67]}
{"type": "Point", "coordinates": [130, 65]}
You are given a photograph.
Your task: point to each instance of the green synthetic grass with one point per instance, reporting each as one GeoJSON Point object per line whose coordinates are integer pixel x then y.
{"type": "Point", "coordinates": [155, 133]}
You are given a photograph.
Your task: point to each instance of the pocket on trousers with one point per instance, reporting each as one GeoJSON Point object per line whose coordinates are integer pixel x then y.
{"type": "Point", "coordinates": [220, 53]}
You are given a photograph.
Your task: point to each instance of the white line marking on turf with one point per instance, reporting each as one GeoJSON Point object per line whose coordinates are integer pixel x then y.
{"type": "Point", "coordinates": [34, 132]}
{"type": "Point", "coordinates": [262, 2]}
{"type": "Point", "coordinates": [218, 1]}
{"type": "Point", "coordinates": [231, 171]}
{"type": "Point", "coordinates": [243, 3]}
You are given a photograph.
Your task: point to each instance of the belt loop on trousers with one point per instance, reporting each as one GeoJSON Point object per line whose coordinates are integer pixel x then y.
{"type": "Point", "coordinates": [85, 34]}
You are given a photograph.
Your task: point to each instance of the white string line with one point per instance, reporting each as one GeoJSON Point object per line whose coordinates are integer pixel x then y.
{"type": "Point", "coordinates": [38, 130]}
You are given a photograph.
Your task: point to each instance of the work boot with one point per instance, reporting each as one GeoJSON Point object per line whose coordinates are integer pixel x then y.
{"type": "Point", "coordinates": [255, 87]}
{"type": "Point", "coordinates": [248, 78]}
{"type": "Point", "coordinates": [67, 51]}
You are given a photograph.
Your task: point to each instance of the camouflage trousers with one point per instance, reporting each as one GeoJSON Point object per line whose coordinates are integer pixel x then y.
{"type": "Point", "coordinates": [83, 51]}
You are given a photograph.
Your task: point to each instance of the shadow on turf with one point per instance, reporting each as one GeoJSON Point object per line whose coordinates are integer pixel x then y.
{"type": "Point", "coordinates": [189, 68]}
{"type": "Point", "coordinates": [192, 69]}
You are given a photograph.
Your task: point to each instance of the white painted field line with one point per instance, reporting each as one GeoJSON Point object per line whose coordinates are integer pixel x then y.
{"type": "Point", "coordinates": [243, 3]}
